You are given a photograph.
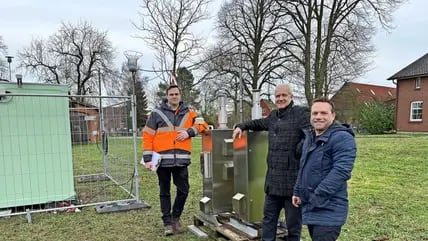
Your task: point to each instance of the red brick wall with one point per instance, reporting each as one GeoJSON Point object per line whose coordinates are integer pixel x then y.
{"type": "Point", "coordinates": [93, 125]}
{"type": "Point", "coordinates": [406, 93]}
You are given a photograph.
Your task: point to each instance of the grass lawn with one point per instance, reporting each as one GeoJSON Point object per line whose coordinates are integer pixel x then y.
{"type": "Point", "coordinates": [388, 201]}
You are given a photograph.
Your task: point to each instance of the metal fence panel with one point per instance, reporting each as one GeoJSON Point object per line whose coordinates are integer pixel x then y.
{"type": "Point", "coordinates": [57, 154]}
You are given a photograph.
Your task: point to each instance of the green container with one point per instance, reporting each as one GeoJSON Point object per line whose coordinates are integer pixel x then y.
{"type": "Point", "coordinates": [35, 145]}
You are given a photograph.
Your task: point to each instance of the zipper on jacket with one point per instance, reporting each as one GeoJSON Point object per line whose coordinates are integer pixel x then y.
{"type": "Point", "coordinates": [175, 148]}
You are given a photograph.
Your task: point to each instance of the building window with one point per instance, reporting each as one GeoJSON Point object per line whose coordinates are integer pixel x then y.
{"type": "Point", "coordinates": [418, 83]}
{"type": "Point", "coordinates": [416, 110]}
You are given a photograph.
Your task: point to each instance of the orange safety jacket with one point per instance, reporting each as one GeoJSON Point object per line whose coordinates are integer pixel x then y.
{"type": "Point", "coordinates": [160, 134]}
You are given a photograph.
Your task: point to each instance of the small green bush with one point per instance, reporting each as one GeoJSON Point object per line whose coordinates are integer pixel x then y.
{"type": "Point", "coordinates": [377, 117]}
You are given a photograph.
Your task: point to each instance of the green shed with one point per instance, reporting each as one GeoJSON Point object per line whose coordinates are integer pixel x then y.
{"type": "Point", "coordinates": [35, 145]}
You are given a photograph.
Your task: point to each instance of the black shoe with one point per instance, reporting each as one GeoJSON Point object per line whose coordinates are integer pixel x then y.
{"type": "Point", "coordinates": [176, 225]}
{"type": "Point", "coordinates": [169, 230]}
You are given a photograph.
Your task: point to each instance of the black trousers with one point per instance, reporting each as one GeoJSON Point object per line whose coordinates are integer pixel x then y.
{"type": "Point", "coordinates": [272, 209]}
{"type": "Point", "coordinates": [324, 233]}
{"type": "Point", "coordinates": [180, 176]}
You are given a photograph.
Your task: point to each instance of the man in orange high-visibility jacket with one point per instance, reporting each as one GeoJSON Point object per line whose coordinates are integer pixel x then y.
{"type": "Point", "coordinates": [168, 131]}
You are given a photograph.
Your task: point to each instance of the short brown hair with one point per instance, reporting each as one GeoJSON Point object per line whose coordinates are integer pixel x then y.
{"type": "Point", "coordinates": [324, 100]}
{"type": "Point", "coordinates": [172, 87]}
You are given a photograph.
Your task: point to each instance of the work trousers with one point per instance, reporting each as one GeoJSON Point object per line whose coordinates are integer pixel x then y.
{"type": "Point", "coordinates": [180, 176]}
{"type": "Point", "coordinates": [293, 217]}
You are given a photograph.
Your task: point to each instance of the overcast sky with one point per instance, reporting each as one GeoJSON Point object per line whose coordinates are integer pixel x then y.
{"type": "Point", "coordinates": [21, 20]}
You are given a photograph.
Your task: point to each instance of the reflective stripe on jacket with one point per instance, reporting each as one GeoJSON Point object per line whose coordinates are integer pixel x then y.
{"type": "Point", "coordinates": [160, 134]}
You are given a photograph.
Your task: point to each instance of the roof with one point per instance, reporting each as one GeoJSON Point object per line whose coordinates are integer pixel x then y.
{"type": "Point", "coordinates": [269, 103]}
{"type": "Point", "coordinates": [416, 69]}
{"type": "Point", "coordinates": [368, 92]}
{"type": "Point", "coordinates": [267, 106]}
{"type": "Point", "coordinates": [74, 104]}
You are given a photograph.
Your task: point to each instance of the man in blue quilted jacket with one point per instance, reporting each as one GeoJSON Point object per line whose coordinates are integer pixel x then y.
{"type": "Point", "coordinates": [327, 160]}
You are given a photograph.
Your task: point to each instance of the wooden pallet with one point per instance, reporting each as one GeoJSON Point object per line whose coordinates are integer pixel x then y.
{"type": "Point", "coordinates": [224, 231]}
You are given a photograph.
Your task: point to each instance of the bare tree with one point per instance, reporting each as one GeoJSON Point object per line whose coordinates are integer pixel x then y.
{"type": "Point", "coordinates": [153, 99]}
{"type": "Point", "coordinates": [39, 61]}
{"type": "Point", "coordinates": [257, 28]}
{"type": "Point", "coordinates": [222, 75]}
{"type": "Point", "coordinates": [166, 27]}
{"type": "Point", "coordinates": [75, 55]}
{"type": "Point", "coordinates": [251, 47]}
{"type": "Point", "coordinates": [3, 65]}
{"type": "Point", "coordinates": [331, 39]}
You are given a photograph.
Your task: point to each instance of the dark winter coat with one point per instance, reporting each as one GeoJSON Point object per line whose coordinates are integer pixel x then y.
{"type": "Point", "coordinates": [286, 135]}
{"type": "Point", "coordinates": [326, 165]}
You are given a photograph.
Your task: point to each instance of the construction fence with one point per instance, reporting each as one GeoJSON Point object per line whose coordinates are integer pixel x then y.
{"type": "Point", "coordinates": [60, 152]}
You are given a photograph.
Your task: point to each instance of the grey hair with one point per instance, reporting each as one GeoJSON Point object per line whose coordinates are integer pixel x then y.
{"type": "Point", "coordinates": [290, 89]}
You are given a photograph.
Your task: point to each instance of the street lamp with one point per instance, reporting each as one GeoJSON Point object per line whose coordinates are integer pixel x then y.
{"type": "Point", "coordinates": [132, 64]}
{"type": "Point", "coordinates": [132, 57]}
{"type": "Point", "coordinates": [9, 60]}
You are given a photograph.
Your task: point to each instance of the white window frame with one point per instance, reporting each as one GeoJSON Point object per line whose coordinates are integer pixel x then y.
{"type": "Point", "coordinates": [414, 107]}
{"type": "Point", "coordinates": [418, 83]}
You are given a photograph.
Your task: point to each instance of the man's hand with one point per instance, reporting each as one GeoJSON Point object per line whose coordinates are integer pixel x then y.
{"type": "Point", "coordinates": [148, 165]}
{"type": "Point", "coordinates": [237, 132]}
{"type": "Point", "coordinates": [296, 201]}
{"type": "Point", "coordinates": [182, 135]}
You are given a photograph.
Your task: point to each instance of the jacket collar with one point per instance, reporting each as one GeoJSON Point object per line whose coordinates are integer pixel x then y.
{"type": "Point", "coordinates": [281, 112]}
{"type": "Point", "coordinates": [165, 106]}
{"type": "Point", "coordinates": [327, 133]}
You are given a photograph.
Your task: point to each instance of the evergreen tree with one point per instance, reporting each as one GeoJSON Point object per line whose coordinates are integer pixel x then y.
{"type": "Point", "coordinates": [189, 93]}
{"type": "Point", "coordinates": [142, 103]}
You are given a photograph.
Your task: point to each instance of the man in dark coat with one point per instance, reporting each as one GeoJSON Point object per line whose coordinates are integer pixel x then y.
{"type": "Point", "coordinates": [285, 126]}
{"type": "Point", "coordinates": [327, 160]}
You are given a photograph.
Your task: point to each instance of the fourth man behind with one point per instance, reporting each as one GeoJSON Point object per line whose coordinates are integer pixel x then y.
{"type": "Point", "coordinates": [327, 160]}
